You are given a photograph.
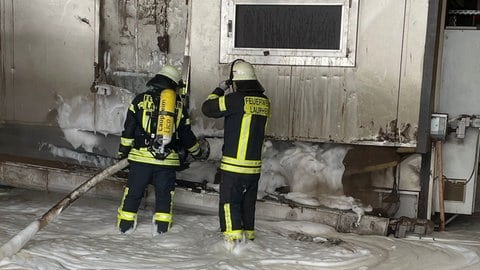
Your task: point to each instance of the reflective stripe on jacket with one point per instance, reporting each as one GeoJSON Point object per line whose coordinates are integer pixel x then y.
{"type": "Point", "coordinates": [246, 114]}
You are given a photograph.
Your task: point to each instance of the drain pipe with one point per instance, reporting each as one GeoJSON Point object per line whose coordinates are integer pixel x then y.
{"type": "Point", "coordinates": [441, 202]}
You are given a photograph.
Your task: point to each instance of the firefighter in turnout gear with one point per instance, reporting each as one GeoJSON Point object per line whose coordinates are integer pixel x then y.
{"type": "Point", "coordinates": [245, 111]}
{"type": "Point", "coordinates": [156, 131]}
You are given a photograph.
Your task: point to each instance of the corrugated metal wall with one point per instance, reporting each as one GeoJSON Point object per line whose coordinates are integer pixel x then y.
{"type": "Point", "coordinates": [49, 48]}
{"type": "Point", "coordinates": [375, 102]}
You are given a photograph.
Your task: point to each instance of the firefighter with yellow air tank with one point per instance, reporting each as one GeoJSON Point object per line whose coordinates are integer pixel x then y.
{"type": "Point", "coordinates": [156, 130]}
{"type": "Point", "coordinates": [245, 112]}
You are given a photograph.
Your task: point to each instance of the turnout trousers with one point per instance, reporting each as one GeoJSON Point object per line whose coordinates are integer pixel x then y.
{"type": "Point", "coordinates": [163, 180]}
{"type": "Point", "coordinates": [238, 196]}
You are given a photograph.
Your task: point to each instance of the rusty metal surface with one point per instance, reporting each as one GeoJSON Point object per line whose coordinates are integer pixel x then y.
{"type": "Point", "coordinates": [141, 36]}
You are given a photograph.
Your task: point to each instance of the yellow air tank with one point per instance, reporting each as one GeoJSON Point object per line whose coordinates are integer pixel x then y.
{"type": "Point", "coordinates": [166, 117]}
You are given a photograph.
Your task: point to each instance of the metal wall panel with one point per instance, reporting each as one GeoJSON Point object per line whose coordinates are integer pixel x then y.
{"type": "Point", "coordinates": [370, 103]}
{"type": "Point", "coordinates": [6, 60]}
{"type": "Point", "coordinates": [459, 95]}
{"type": "Point", "coordinates": [318, 102]}
{"type": "Point", "coordinates": [411, 70]}
{"type": "Point", "coordinates": [375, 79]}
{"type": "Point", "coordinates": [50, 48]}
{"type": "Point", "coordinates": [460, 68]}
{"type": "Point", "coordinates": [366, 104]}
{"type": "Point", "coordinates": [205, 47]}
{"type": "Point", "coordinates": [278, 89]}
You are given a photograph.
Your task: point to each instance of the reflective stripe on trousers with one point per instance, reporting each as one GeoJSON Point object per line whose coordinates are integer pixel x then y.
{"type": "Point", "coordinates": [238, 195]}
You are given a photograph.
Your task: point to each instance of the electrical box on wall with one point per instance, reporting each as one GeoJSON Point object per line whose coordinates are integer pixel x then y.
{"type": "Point", "coordinates": [438, 126]}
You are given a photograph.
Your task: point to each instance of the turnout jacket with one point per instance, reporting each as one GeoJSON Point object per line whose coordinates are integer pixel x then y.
{"type": "Point", "coordinates": [246, 112]}
{"type": "Point", "coordinates": [141, 122]}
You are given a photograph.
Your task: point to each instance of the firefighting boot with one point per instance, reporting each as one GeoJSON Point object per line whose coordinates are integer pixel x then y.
{"type": "Point", "coordinates": [162, 221]}
{"type": "Point", "coordinates": [162, 227]}
{"type": "Point", "coordinates": [126, 221]}
{"type": "Point", "coordinates": [232, 239]}
{"type": "Point", "coordinates": [249, 234]}
{"type": "Point", "coordinates": [125, 226]}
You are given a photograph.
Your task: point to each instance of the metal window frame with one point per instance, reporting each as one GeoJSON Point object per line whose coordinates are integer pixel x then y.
{"type": "Point", "coordinates": [344, 57]}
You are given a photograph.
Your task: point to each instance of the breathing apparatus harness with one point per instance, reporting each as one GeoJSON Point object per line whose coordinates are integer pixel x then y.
{"type": "Point", "coordinates": [166, 115]}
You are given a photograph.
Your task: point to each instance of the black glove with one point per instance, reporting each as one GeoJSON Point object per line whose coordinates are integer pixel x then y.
{"type": "Point", "coordinates": [218, 91]}
{"type": "Point", "coordinates": [203, 151]}
{"type": "Point", "coordinates": [223, 85]}
{"type": "Point", "coordinates": [123, 151]}
{"type": "Point", "coordinates": [182, 157]}
{"type": "Point", "coordinates": [183, 166]}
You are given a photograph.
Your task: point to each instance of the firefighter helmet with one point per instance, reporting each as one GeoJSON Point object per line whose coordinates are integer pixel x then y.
{"type": "Point", "coordinates": [243, 71]}
{"type": "Point", "coordinates": [170, 72]}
